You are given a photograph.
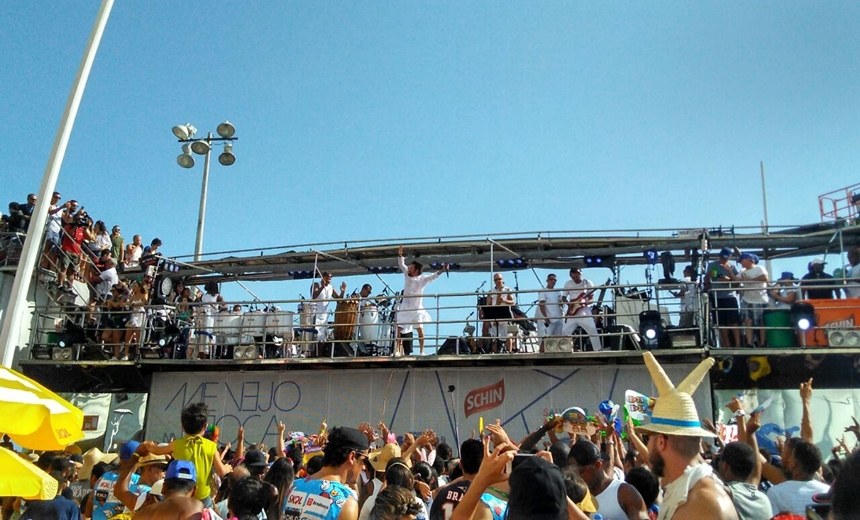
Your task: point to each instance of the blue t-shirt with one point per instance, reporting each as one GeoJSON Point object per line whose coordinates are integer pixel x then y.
{"type": "Point", "coordinates": [316, 500]}
{"type": "Point", "coordinates": [105, 504]}
{"type": "Point", "coordinates": [57, 509]}
{"type": "Point", "coordinates": [497, 506]}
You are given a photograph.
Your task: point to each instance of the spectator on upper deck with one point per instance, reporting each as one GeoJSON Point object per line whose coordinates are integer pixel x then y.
{"type": "Point", "coordinates": [785, 293]}
{"type": "Point", "coordinates": [133, 252]}
{"type": "Point", "coordinates": [152, 248]}
{"type": "Point", "coordinates": [817, 284]}
{"type": "Point", "coordinates": [27, 209]}
{"type": "Point", "coordinates": [117, 245]}
{"type": "Point", "coordinates": [852, 275]}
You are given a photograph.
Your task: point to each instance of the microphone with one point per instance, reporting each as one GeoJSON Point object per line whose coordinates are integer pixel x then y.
{"type": "Point", "coordinates": [481, 286]}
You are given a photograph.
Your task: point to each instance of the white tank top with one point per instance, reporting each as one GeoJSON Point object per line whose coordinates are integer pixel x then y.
{"type": "Point", "coordinates": [607, 502]}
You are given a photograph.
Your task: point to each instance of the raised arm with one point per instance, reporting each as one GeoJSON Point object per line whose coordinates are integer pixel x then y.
{"type": "Point", "coordinates": [530, 441]}
{"type": "Point", "coordinates": [806, 418]}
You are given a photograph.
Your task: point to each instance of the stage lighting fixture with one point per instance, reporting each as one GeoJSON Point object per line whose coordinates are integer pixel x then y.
{"type": "Point", "coordinates": [245, 352]}
{"type": "Point", "coordinates": [803, 316]}
{"type": "Point", "coordinates": [152, 352]}
{"type": "Point", "coordinates": [651, 329]}
{"type": "Point", "coordinates": [725, 365]}
{"type": "Point", "coordinates": [62, 352]}
{"type": "Point", "coordinates": [598, 261]}
{"type": "Point", "coordinates": [843, 338]}
{"type": "Point", "coordinates": [650, 256]}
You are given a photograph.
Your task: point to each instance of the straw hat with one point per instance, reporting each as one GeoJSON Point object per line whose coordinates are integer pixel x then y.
{"type": "Point", "coordinates": [91, 458]}
{"type": "Point", "coordinates": [675, 413]}
{"type": "Point", "coordinates": [379, 458]}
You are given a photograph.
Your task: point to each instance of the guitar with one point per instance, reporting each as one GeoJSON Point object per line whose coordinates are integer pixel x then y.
{"type": "Point", "coordinates": [582, 300]}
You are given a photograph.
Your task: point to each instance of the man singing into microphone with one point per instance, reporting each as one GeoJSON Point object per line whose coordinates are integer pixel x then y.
{"type": "Point", "coordinates": [410, 311]}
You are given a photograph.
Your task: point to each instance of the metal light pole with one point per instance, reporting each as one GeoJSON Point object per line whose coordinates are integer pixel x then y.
{"type": "Point", "coordinates": [185, 134]}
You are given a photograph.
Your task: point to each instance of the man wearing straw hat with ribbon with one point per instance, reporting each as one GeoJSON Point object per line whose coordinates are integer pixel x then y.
{"type": "Point", "coordinates": [691, 489]}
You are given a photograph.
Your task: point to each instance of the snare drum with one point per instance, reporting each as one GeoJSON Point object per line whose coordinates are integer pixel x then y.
{"type": "Point", "coordinates": [228, 327]}
{"type": "Point", "coordinates": [368, 328]}
{"type": "Point", "coordinates": [280, 323]}
{"type": "Point", "coordinates": [345, 318]}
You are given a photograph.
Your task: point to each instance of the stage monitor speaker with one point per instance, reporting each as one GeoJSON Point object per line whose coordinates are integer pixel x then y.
{"type": "Point", "coordinates": [624, 337]}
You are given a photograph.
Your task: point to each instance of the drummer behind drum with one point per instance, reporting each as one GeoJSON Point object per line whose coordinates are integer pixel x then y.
{"type": "Point", "coordinates": [322, 294]}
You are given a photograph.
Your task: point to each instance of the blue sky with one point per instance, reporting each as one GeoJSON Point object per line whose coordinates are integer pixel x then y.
{"type": "Point", "coordinates": [362, 120]}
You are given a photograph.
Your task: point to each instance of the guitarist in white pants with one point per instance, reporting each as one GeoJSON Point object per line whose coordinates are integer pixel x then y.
{"type": "Point", "coordinates": [579, 294]}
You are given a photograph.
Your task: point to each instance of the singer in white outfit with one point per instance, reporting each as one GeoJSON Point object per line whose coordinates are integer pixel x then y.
{"type": "Point", "coordinates": [323, 293]}
{"type": "Point", "coordinates": [578, 294]}
{"type": "Point", "coordinates": [410, 311]}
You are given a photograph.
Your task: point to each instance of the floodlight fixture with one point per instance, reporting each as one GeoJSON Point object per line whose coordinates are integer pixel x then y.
{"type": "Point", "coordinates": [185, 131]}
{"type": "Point", "coordinates": [186, 160]}
{"type": "Point", "coordinates": [226, 130]}
{"type": "Point", "coordinates": [200, 147]}
{"type": "Point", "coordinates": [227, 158]}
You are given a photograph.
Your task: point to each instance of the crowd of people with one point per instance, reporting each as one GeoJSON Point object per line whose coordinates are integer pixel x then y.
{"type": "Point", "coordinates": [674, 466]}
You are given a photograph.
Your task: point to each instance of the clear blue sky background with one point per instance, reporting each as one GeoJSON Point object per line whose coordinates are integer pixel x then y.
{"type": "Point", "coordinates": [362, 120]}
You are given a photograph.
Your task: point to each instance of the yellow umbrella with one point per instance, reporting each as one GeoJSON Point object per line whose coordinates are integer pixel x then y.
{"type": "Point", "coordinates": [34, 417]}
{"type": "Point", "coordinates": [20, 478]}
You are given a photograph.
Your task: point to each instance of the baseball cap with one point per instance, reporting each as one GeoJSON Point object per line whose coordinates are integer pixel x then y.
{"type": "Point", "coordinates": [584, 452]}
{"type": "Point", "coordinates": [537, 491]}
{"type": "Point", "coordinates": [255, 459]}
{"type": "Point", "coordinates": [181, 469]}
{"type": "Point", "coordinates": [127, 450]}
{"type": "Point", "coordinates": [725, 252]}
{"type": "Point", "coordinates": [346, 437]}
{"type": "Point", "coordinates": [817, 260]}
{"type": "Point", "coordinates": [749, 256]}
{"type": "Point", "coordinates": [787, 275]}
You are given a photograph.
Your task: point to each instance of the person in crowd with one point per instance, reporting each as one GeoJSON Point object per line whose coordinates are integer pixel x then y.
{"type": "Point", "coordinates": [691, 489]}
{"type": "Point", "coordinates": [395, 503]}
{"type": "Point", "coordinates": [327, 491]}
{"type": "Point", "coordinates": [500, 295]}
{"type": "Point", "coordinates": [616, 499]}
{"type": "Point", "coordinates": [58, 508]}
{"type": "Point", "coordinates": [256, 462]}
{"type": "Point", "coordinates": [178, 492]}
{"type": "Point", "coordinates": [648, 485]}
{"type": "Point", "coordinates": [801, 461]}
{"type": "Point", "coordinates": [724, 303]}
{"type": "Point", "coordinates": [397, 475]}
{"type": "Point", "coordinates": [753, 280]}
{"type": "Point", "coordinates": [105, 502]}
{"type": "Point", "coordinates": [549, 319]}
{"type": "Point", "coordinates": [410, 311]}
{"type": "Point", "coordinates": [195, 448]}
{"type": "Point", "coordinates": [246, 500]}
{"type": "Point", "coordinates": [845, 493]}
{"type": "Point", "coordinates": [785, 293]}
{"type": "Point", "coordinates": [101, 240]}
{"type": "Point", "coordinates": [221, 500]}
{"type": "Point", "coordinates": [578, 295]}
{"type": "Point", "coordinates": [133, 252]}
{"type": "Point", "coordinates": [818, 285]}
{"type": "Point", "coordinates": [280, 479]}
{"type": "Point", "coordinates": [150, 469]}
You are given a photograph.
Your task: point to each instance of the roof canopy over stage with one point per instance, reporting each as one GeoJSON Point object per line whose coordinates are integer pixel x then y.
{"type": "Point", "coordinates": [548, 249]}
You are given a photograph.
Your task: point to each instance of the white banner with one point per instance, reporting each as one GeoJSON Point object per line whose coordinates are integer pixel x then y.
{"type": "Point", "coordinates": [406, 399]}
{"type": "Point", "coordinates": [831, 412]}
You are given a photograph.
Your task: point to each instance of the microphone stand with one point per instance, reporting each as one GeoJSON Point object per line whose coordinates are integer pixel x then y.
{"type": "Point", "coordinates": [451, 389]}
